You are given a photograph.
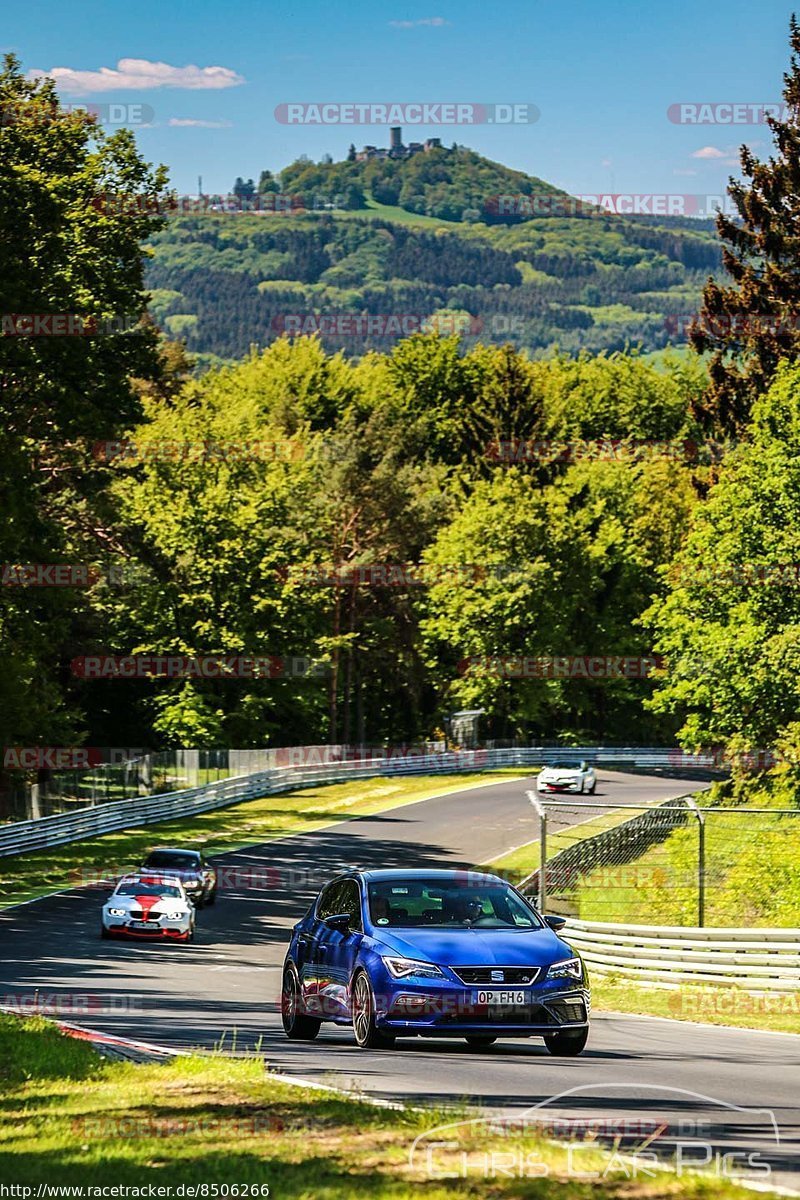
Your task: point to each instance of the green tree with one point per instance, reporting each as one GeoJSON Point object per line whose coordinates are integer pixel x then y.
{"type": "Point", "coordinates": [752, 324]}
{"type": "Point", "coordinates": [730, 625]}
{"type": "Point", "coordinates": [75, 205]}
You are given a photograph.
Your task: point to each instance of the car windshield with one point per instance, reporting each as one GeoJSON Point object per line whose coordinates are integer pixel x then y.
{"type": "Point", "coordinates": [168, 858]}
{"type": "Point", "coordinates": [566, 766]}
{"type": "Point", "coordinates": [148, 889]}
{"type": "Point", "coordinates": [441, 904]}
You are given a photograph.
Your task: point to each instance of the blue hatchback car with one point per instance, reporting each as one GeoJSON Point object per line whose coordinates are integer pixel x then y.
{"type": "Point", "coordinates": [435, 954]}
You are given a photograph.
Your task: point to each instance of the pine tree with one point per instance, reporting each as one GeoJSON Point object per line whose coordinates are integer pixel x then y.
{"type": "Point", "coordinates": [753, 323]}
{"type": "Point", "coordinates": [351, 153]}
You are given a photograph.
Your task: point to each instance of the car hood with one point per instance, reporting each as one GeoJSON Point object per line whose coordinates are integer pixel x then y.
{"type": "Point", "coordinates": [561, 773]}
{"type": "Point", "coordinates": [146, 903]}
{"type": "Point", "coordinates": [476, 947]}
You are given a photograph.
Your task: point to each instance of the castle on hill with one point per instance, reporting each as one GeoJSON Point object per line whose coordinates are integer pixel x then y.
{"type": "Point", "coordinates": [396, 148]}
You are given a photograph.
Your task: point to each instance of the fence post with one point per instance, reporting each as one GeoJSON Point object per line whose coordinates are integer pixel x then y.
{"type": "Point", "coordinates": [541, 812]}
{"type": "Point", "coordinates": [701, 860]}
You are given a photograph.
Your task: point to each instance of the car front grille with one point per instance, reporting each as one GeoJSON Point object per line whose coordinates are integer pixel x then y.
{"type": "Point", "coordinates": [153, 914]}
{"type": "Point", "coordinates": [497, 975]}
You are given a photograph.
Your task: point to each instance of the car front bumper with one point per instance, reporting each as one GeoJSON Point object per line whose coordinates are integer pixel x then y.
{"type": "Point", "coordinates": [161, 927]}
{"type": "Point", "coordinates": [450, 1010]}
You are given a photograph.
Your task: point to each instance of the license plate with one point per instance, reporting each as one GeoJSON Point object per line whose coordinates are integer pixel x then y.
{"type": "Point", "coordinates": [494, 998]}
{"type": "Point", "coordinates": [144, 924]}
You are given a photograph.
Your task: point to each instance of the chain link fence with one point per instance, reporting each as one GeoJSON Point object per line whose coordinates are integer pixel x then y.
{"type": "Point", "coordinates": [26, 796]}
{"type": "Point", "coordinates": [674, 863]}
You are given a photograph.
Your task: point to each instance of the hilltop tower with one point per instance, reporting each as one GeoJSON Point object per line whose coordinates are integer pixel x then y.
{"type": "Point", "coordinates": [396, 139]}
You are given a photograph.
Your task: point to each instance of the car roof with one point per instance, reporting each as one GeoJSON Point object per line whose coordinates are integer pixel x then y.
{"type": "Point", "coordinates": [438, 873]}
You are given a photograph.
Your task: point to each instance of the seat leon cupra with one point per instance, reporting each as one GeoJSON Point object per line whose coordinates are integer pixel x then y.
{"type": "Point", "coordinates": [435, 954]}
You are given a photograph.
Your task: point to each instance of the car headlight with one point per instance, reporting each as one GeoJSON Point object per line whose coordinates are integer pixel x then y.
{"type": "Point", "coordinates": [176, 916]}
{"type": "Point", "coordinates": [569, 968]}
{"type": "Point", "coordinates": [116, 912]}
{"type": "Point", "coordinates": [403, 968]}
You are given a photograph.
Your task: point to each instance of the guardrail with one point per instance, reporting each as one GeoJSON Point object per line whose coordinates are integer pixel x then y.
{"type": "Point", "coordinates": [110, 816]}
{"type": "Point", "coordinates": [751, 959]}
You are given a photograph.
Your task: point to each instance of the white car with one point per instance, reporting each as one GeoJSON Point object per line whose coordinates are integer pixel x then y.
{"type": "Point", "coordinates": [575, 776]}
{"type": "Point", "coordinates": [149, 906]}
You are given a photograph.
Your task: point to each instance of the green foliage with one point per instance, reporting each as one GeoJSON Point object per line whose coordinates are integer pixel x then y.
{"type": "Point", "coordinates": [751, 325]}
{"type": "Point", "coordinates": [730, 624]}
{"type": "Point", "coordinates": [63, 251]}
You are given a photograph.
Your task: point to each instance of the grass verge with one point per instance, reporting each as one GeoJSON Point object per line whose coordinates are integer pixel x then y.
{"type": "Point", "coordinates": [521, 862]}
{"type": "Point", "coordinates": [71, 1118]}
{"type": "Point", "coordinates": [776, 1012]}
{"type": "Point", "coordinates": [27, 876]}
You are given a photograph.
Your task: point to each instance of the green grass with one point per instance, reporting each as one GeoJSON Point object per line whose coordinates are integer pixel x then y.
{"type": "Point", "coordinates": [522, 861]}
{"type": "Point", "coordinates": [71, 1118]}
{"type": "Point", "coordinates": [400, 216]}
{"type": "Point", "coordinates": [752, 876]}
{"type": "Point", "coordinates": [26, 876]}
{"type": "Point", "coordinates": [717, 1005]}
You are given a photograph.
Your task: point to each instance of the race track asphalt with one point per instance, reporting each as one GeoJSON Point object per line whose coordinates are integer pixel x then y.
{"type": "Point", "coordinates": [718, 1091]}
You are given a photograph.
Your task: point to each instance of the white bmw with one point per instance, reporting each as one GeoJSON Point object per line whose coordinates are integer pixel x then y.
{"type": "Point", "coordinates": [567, 777]}
{"type": "Point", "coordinates": [149, 906]}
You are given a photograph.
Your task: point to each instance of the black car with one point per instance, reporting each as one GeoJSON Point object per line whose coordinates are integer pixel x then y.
{"type": "Point", "coordinates": [198, 877]}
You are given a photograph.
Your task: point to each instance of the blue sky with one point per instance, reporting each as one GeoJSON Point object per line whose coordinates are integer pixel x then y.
{"type": "Point", "coordinates": [602, 75]}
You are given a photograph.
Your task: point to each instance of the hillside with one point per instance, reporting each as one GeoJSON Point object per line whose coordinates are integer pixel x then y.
{"type": "Point", "coordinates": [392, 255]}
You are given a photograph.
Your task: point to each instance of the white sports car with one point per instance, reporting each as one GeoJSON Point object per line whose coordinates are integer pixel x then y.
{"type": "Point", "coordinates": [149, 906]}
{"type": "Point", "coordinates": [567, 777]}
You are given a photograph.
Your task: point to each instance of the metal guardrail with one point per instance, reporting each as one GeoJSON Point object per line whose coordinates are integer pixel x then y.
{"type": "Point", "coordinates": [110, 816]}
{"type": "Point", "coordinates": [672, 956]}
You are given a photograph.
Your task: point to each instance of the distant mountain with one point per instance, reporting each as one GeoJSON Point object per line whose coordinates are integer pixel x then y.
{"type": "Point", "coordinates": [366, 251]}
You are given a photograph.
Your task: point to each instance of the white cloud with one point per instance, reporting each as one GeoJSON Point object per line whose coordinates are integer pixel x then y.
{"type": "Point", "coordinates": [191, 123]}
{"type": "Point", "coordinates": [709, 152]}
{"type": "Point", "coordinates": [437, 22]}
{"type": "Point", "coordinates": [136, 74]}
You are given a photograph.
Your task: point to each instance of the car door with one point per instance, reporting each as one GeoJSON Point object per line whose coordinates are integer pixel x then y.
{"type": "Point", "coordinates": [341, 951]}
{"type": "Point", "coordinates": [315, 941]}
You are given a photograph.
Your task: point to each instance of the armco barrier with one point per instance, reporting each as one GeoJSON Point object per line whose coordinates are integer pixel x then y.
{"type": "Point", "coordinates": [673, 956]}
{"type": "Point", "coordinates": [108, 817]}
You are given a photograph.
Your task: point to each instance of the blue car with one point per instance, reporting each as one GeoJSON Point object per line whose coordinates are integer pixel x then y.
{"type": "Point", "coordinates": [434, 954]}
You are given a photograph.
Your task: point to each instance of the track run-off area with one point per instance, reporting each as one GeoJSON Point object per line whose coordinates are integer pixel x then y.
{"type": "Point", "coordinates": [736, 1092]}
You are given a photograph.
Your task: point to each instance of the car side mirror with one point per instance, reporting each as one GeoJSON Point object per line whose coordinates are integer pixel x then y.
{"type": "Point", "coordinates": [584, 766]}
{"type": "Point", "coordinates": [339, 921]}
{"type": "Point", "coordinates": [555, 923]}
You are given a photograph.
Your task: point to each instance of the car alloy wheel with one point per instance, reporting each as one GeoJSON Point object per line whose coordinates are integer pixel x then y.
{"type": "Point", "coordinates": [568, 1043]}
{"type": "Point", "coordinates": [296, 1025]}
{"type": "Point", "coordinates": [368, 1036]}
